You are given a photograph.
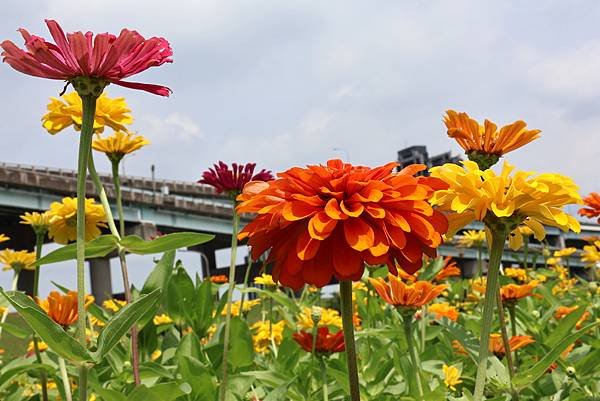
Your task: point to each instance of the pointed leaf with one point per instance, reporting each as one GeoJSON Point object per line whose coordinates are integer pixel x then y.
{"type": "Point", "coordinates": [199, 377]}
{"type": "Point", "coordinates": [122, 321]}
{"type": "Point", "coordinates": [204, 303]}
{"type": "Point", "coordinates": [241, 351]}
{"type": "Point", "coordinates": [564, 327]}
{"type": "Point", "coordinates": [159, 392]}
{"type": "Point", "coordinates": [159, 277]}
{"type": "Point", "coordinates": [50, 332]}
{"type": "Point", "coordinates": [526, 378]}
{"type": "Point", "coordinates": [96, 248]}
{"type": "Point", "coordinates": [8, 374]}
{"type": "Point", "coordinates": [169, 242]}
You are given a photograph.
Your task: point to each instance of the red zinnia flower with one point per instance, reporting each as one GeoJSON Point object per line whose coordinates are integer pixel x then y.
{"type": "Point", "coordinates": [592, 201]}
{"type": "Point", "coordinates": [233, 180]}
{"type": "Point", "coordinates": [328, 220]}
{"type": "Point", "coordinates": [104, 56]}
{"type": "Point", "coordinates": [326, 343]}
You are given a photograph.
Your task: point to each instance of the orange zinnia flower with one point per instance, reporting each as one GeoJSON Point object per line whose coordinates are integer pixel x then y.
{"type": "Point", "coordinates": [486, 139]}
{"type": "Point", "coordinates": [592, 201]}
{"type": "Point", "coordinates": [400, 294]}
{"type": "Point", "coordinates": [444, 309]}
{"type": "Point", "coordinates": [219, 279]}
{"type": "Point", "coordinates": [450, 269]}
{"type": "Point", "coordinates": [328, 220]}
{"type": "Point", "coordinates": [563, 311]}
{"type": "Point", "coordinates": [63, 308]}
{"type": "Point", "coordinates": [514, 292]}
{"type": "Point", "coordinates": [514, 343]}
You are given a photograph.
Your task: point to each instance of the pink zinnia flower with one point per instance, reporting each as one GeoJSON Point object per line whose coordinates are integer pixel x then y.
{"type": "Point", "coordinates": [77, 54]}
{"type": "Point", "coordinates": [233, 180]}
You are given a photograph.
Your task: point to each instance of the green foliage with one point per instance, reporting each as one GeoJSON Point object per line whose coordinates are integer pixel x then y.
{"type": "Point", "coordinates": [96, 248]}
{"type": "Point", "coordinates": [169, 242]}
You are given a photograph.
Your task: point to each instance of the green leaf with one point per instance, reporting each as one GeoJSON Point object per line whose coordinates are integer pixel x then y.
{"type": "Point", "coordinates": [203, 307]}
{"type": "Point", "coordinates": [189, 346]}
{"type": "Point", "coordinates": [96, 248]}
{"type": "Point", "coordinates": [241, 351]}
{"type": "Point", "coordinates": [159, 277]}
{"type": "Point", "coordinates": [526, 378]}
{"type": "Point", "coordinates": [431, 268]}
{"type": "Point", "coordinates": [564, 327]}
{"type": "Point", "coordinates": [278, 297]}
{"type": "Point", "coordinates": [169, 242]}
{"type": "Point", "coordinates": [466, 339]}
{"type": "Point", "coordinates": [106, 394]}
{"type": "Point", "coordinates": [122, 321]}
{"type": "Point", "coordinates": [180, 295]}
{"type": "Point", "coordinates": [159, 392]}
{"type": "Point", "coordinates": [7, 375]}
{"type": "Point", "coordinates": [200, 378]}
{"type": "Point", "coordinates": [50, 332]}
{"type": "Point", "coordinates": [15, 330]}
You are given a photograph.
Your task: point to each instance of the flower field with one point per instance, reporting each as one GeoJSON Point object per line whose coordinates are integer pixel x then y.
{"type": "Point", "coordinates": [357, 297]}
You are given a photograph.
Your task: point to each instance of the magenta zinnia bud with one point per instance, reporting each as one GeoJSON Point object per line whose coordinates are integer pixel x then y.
{"type": "Point", "coordinates": [105, 57]}
{"type": "Point", "coordinates": [232, 181]}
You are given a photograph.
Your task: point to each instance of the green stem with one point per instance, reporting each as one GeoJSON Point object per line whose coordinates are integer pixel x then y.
{"type": "Point", "coordinates": [103, 198]}
{"type": "Point", "coordinates": [506, 345]}
{"type": "Point", "coordinates": [65, 378]}
{"type": "Point", "coordinates": [526, 252]}
{"type": "Point", "coordinates": [246, 277]}
{"type": "Point", "coordinates": [423, 326]}
{"type": "Point", "coordinates": [513, 326]}
{"type": "Point", "coordinates": [315, 330]}
{"type": "Point", "coordinates": [234, 242]}
{"type": "Point", "coordinates": [497, 247]}
{"type": "Point", "coordinates": [85, 143]}
{"type": "Point", "coordinates": [407, 324]}
{"type": "Point", "coordinates": [39, 243]}
{"type": "Point", "coordinates": [348, 327]}
{"type": "Point", "coordinates": [117, 183]}
{"type": "Point", "coordinates": [324, 378]}
{"type": "Point", "coordinates": [480, 260]}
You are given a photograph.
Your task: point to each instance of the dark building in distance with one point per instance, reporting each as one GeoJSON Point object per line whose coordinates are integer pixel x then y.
{"type": "Point", "coordinates": [418, 155]}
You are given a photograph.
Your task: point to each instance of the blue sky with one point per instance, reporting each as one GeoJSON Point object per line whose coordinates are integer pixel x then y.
{"type": "Point", "coordinates": [285, 83]}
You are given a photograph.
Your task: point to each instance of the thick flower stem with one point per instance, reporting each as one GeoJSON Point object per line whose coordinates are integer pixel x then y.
{"type": "Point", "coordinates": [65, 378]}
{"type": "Point", "coordinates": [85, 143]}
{"type": "Point", "coordinates": [513, 325]}
{"type": "Point", "coordinates": [479, 261]}
{"type": "Point", "coordinates": [496, 249]}
{"type": "Point", "coordinates": [117, 183]}
{"type": "Point", "coordinates": [407, 324]}
{"type": "Point", "coordinates": [39, 243]}
{"type": "Point", "coordinates": [324, 378]}
{"type": "Point", "coordinates": [506, 344]}
{"type": "Point", "coordinates": [348, 327]}
{"type": "Point", "coordinates": [234, 242]}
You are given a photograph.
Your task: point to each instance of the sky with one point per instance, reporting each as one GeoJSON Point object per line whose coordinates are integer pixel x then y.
{"type": "Point", "coordinates": [284, 83]}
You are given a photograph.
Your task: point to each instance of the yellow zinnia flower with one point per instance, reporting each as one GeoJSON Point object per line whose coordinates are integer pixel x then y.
{"type": "Point", "coordinates": [591, 254]}
{"type": "Point", "coordinates": [329, 317]}
{"type": "Point", "coordinates": [155, 355]}
{"type": "Point", "coordinates": [17, 260]}
{"type": "Point", "coordinates": [63, 222]}
{"type": "Point", "coordinates": [162, 319]}
{"type": "Point", "coordinates": [517, 273]}
{"type": "Point", "coordinates": [119, 144]}
{"type": "Point", "coordinates": [113, 304]}
{"type": "Point", "coordinates": [235, 307]}
{"type": "Point", "coordinates": [566, 252]}
{"type": "Point", "coordinates": [451, 376]}
{"type": "Point", "coordinates": [534, 201]}
{"type": "Point", "coordinates": [266, 280]}
{"type": "Point", "coordinates": [265, 333]}
{"type": "Point", "coordinates": [42, 346]}
{"type": "Point", "coordinates": [39, 222]}
{"type": "Point", "coordinates": [4, 238]}
{"type": "Point", "coordinates": [471, 238]}
{"type": "Point", "coordinates": [67, 110]}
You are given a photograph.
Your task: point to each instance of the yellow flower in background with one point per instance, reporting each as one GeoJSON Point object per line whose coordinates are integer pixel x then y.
{"type": "Point", "coordinates": [517, 237]}
{"type": "Point", "coordinates": [359, 286]}
{"type": "Point", "coordinates": [478, 285]}
{"type": "Point", "coordinates": [591, 254]}
{"type": "Point", "coordinates": [67, 110]}
{"type": "Point", "coordinates": [443, 309]}
{"type": "Point", "coordinates": [329, 317]}
{"type": "Point", "coordinates": [162, 319]}
{"type": "Point", "coordinates": [17, 260]}
{"type": "Point", "coordinates": [471, 239]}
{"type": "Point", "coordinates": [210, 332]}
{"type": "Point", "coordinates": [39, 222]}
{"type": "Point", "coordinates": [119, 144]}
{"type": "Point", "coordinates": [564, 286]}
{"type": "Point", "coordinates": [96, 322]}
{"type": "Point", "coordinates": [517, 274]}
{"type": "Point", "coordinates": [265, 333]}
{"type": "Point", "coordinates": [474, 193]}
{"type": "Point", "coordinates": [155, 355]}
{"type": "Point", "coordinates": [565, 253]}
{"type": "Point", "coordinates": [113, 305]}
{"type": "Point", "coordinates": [554, 261]}
{"type": "Point", "coordinates": [235, 307]}
{"type": "Point", "coordinates": [42, 346]}
{"type": "Point", "coordinates": [63, 222]}
{"type": "Point", "coordinates": [266, 280]}
{"type": "Point", "coordinates": [4, 238]}
{"type": "Point", "coordinates": [451, 376]}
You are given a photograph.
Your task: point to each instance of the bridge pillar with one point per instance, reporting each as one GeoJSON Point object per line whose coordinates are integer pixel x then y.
{"type": "Point", "coordinates": [25, 281]}
{"type": "Point", "coordinates": [100, 279]}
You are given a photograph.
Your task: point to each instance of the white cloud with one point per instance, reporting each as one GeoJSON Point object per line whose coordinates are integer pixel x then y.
{"type": "Point", "coordinates": [173, 126]}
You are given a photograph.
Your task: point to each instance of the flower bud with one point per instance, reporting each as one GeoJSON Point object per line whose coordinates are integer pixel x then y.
{"type": "Point", "coordinates": [593, 287]}
{"type": "Point", "coordinates": [315, 314]}
{"type": "Point", "coordinates": [571, 371]}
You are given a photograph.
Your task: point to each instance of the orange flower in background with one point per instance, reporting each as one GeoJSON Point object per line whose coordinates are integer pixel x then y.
{"type": "Point", "coordinates": [450, 269]}
{"type": "Point", "coordinates": [400, 294]}
{"type": "Point", "coordinates": [486, 138]}
{"type": "Point", "coordinates": [514, 292]}
{"type": "Point", "coordinates": [562, 311]}
{"type": "Point", "coordinates": [326, 343]}
{"type": "Point", "coordinates": [219, 279]}
{"type": "Point", "coordinates": [62, 308]}
{"type": "Point", "coordinates": [592, 209]}
{"type": "Point", "coordinates": [326, 221]}
{"type": "Point", "coordinates": [444, 309]}
{"type": "Point", "coordinates": [514, 343]}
